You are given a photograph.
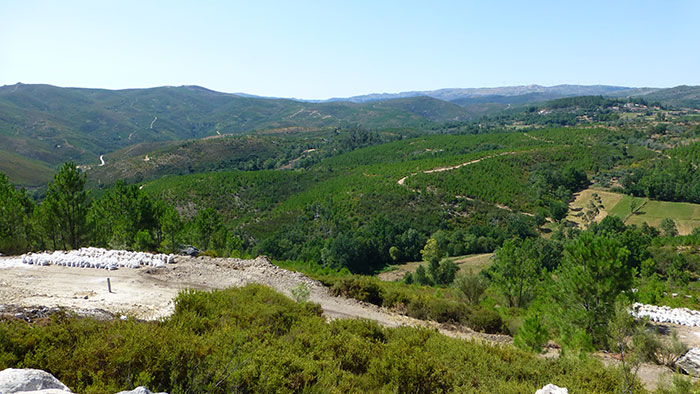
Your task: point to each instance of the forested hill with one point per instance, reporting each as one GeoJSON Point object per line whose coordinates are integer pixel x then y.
{"type": "Point", "coordinates": [42, 126]}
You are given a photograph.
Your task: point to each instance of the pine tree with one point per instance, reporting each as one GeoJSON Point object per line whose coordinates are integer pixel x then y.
{"type": "Point", "coordinates": [69, 202]}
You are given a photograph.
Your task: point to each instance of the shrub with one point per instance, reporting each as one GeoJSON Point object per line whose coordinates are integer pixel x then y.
{"type": "Point", "coordinates": [395, 298]}
{"type": "Point", "coordinates": [253, 339]}
{"type": "Point", "coordinates": [143, 241]}
{"type": "Point", "coordinates": [444, 311]}
{"type": "Point", "coordinates": [360, 288]}
{"type": "Point", "coordinates": [485, 320]}
{"type": "Point", "coordinates": [532, 335]}
{"type": "Point", "coordinates": [301, 293]}
{"type": "Point", "coordinates": [416, 308]}
{"type": "Point", "coordinates": [471, 287]}
{"type": "Point", "coordinates": [209, 253]}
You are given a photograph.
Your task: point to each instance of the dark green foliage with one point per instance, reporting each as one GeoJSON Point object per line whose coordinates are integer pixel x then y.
{"type": "Point", "coordinates": [515, 272]}
{"type": "Point", "coordinates": [668, 228]}
{"type": "Point", "coordinates": [445, 273]}
{"type": "Point", "coordinates": [170, 228]}
{"type": "Point", "coordinates": [532, 335]}
{"type": "Point", "coordinates": [16, 209]}
{"type": "Point", "coordinates": [359, 287]}
{"type": "Point", "coordinates": [486, 320]}
{"type": "Point", "coordinates": [68, 203]}
{"type": "Point", "coordinates": [254, 340]}
{"type": "Point", "coordinates": [120, 214]}
{"type": "Point", "coordinates": [677, 271]}
{"type": "Point", "coordinates": [675, 179]}
{"type": "Point", "coordinates": [422, 277]}
{"type": "Point", "coordinates": [594, 271]}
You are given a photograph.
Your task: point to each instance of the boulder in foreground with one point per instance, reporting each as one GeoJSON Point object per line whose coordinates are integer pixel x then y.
{"type": "Point", "coordinates": [552, 389]}
{"type": "Point", "coordinates": [30, 380]}
{"type": "Point", "coordinates": [690, 362]}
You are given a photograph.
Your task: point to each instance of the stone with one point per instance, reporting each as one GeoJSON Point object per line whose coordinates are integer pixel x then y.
{"type": "Point", "coordinates": [190, 251]}
{"type": "Point", "coordinates": [690, 362]}
{"type": "Point", "coordinates": [139, 390]}
{"type": "Point", "coordinates": [552, 389]}
{"type": "Point", "coordinates": [14, 381]}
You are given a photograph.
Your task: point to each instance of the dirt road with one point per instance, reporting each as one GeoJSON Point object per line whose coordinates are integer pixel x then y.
{"type": "Point", "coordinates": [450, 168]}
{"type": "Point", "coordinates": [147, 293]}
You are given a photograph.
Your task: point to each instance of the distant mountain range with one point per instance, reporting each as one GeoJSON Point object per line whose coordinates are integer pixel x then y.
{"type": "Point", "coordinates": [42, 126]}
{"type": "Point", "coordinates": [540, 92]}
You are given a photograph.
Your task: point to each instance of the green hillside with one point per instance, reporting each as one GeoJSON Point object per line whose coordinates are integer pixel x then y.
{"type": "Point", "coordinates": [51, 125]}
{"type": "Point", "coordinates": [679, 96]}
{"type": "Point", "coordinates": [393, 188]}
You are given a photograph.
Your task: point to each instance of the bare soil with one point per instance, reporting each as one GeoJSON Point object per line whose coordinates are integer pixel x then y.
{"type": "Point", "coordinates": [148, 293]}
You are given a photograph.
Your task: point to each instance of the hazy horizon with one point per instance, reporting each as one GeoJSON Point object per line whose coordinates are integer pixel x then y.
{"type": "Point", "coordinates": [314, 50]}
{"type": "Point", "coordinates": [329, 98]}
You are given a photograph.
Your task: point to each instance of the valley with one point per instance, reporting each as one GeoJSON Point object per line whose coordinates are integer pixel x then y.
{"type": "Point", "coordinates": [412, 213]}
{"type": "Point", "coordinates": [349, 197]}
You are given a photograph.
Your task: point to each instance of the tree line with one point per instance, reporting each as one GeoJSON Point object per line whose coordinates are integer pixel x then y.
{"type": "Point", "coordinates": [123, 217]}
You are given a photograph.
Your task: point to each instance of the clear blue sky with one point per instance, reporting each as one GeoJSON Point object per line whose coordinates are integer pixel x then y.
{"type": "Point", "coordinates": [321, 49]}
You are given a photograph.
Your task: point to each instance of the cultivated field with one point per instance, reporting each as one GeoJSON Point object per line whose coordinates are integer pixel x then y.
{"type": "Point", "coordinates": [686, 215]}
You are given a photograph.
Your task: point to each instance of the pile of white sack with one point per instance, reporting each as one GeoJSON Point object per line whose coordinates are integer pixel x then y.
{"type": "Point", "coordinates": [666, 314]}
{"type": "Point", "coordinates": [99, 258]}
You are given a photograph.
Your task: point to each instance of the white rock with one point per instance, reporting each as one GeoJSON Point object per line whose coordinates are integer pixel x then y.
{"type": "Point", "coordinates": [20, 380]}
{"type": "Point", "coordinates": [139, 390]}
{"type": "Point", "coordinates": [552, 389]}
{"type": "Point", "coordinates": [690, 362]}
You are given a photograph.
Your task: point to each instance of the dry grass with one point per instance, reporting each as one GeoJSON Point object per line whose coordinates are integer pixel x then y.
{"type": "Point", "coordinates": [474, 262]}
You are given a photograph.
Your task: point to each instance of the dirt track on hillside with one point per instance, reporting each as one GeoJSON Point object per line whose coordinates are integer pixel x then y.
{"type": "Point", "coordinates": [450, 168]}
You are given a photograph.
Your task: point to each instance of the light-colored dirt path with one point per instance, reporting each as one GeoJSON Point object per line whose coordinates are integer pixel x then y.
{"type": "Point", "coordinates": [537, 138]}
{"type": "Point", "coordinates": [450, 168]}
{"type": "Point", "coordinates": [402, 181]}
{"type": "Point", "coordinates": [148, 293]}
{"type": "Point", "coordinates": [102, 160]}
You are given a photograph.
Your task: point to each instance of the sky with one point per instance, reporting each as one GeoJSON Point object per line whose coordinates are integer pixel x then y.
{"type": "Point", "coordinates": [323, 49]}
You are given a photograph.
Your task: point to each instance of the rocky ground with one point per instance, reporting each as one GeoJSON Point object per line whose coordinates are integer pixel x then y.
{"type": "Point", "coordinates": [147, 292]}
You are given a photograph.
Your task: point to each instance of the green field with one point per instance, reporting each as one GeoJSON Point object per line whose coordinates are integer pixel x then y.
{"type": "Point", "coordinates": [686, 215]}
